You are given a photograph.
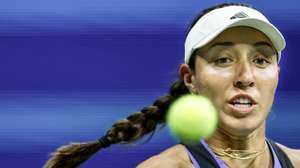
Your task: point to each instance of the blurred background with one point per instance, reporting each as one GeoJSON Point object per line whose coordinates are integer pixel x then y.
{"type": "Point", "coordinates": [70, 68]}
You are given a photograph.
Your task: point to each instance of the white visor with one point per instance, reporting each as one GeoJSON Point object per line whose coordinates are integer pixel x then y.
{"type": "Point", "coordinates": [216, 21]}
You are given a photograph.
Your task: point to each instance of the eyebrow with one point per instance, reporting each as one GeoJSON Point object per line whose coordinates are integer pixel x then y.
{"type": "Point", "coordinates": [263, 43]}
{"type": "Point", "coordinates": [226, 44]}
{"type": "Point", "coordinates": [229, 44]}
{"type": "Point", "coordinates": [256, 45]}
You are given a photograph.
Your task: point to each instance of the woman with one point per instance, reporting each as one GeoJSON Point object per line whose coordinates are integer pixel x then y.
{"type": "Point", "coordinates": [231, 56]}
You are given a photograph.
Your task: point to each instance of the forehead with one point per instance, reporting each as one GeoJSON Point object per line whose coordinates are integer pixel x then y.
{"type": "Point", "coordinates": [245, 35]}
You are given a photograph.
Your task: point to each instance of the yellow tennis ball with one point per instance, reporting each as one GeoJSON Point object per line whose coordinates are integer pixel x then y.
{"type": "Point", "coordinates": [191, 118]}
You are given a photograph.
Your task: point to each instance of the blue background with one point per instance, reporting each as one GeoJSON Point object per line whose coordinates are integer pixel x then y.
{"type": "Point", "coordinates": [70, 68]}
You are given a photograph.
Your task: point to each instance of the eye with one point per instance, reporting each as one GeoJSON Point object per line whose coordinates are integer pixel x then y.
{"type": "Point", "coordinates": [223, 61]}
{"type": "Point", "coordinates": [261, 62]}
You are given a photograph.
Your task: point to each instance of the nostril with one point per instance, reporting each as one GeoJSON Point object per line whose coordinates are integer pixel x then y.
{"type": "Point", "coordinates": [243, 84]}
{"type": "Point", "coordinates": [238, 83]}
{"type": "Point", "coordinates": [251, 84]}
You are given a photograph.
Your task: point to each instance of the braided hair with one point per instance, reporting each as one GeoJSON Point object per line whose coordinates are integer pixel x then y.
{"type": "Point", "coordinates": [131, 128]}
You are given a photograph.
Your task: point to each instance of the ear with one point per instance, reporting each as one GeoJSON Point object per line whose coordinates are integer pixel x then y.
{"type": "Point", "coordinates": [187, 75]}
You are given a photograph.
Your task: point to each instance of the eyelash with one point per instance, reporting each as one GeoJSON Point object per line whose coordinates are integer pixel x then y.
{"type": "Point", "coordinates": [265, 60]}
{"type": "Point", "coordinates": [218, 61]}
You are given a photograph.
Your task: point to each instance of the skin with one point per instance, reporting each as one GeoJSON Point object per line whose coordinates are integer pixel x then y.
{"type": "Point", "coordinates": [228, 65]}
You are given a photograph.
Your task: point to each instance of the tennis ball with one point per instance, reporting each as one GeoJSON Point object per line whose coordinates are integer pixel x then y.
{"type": "Point", "coordinates": [191, 118]}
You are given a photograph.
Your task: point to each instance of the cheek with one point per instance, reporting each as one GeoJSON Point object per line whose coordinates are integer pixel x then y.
{"type": "Point", "coordinates": [266, 85]}
{"type": "Point", "coordinates": [213, 82]}
{"type": "Point", "coordinates": [267, 80]}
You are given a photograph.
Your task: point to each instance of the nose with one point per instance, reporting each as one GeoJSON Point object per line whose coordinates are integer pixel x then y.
{"type": "Point", "coordinates": [244, 75]}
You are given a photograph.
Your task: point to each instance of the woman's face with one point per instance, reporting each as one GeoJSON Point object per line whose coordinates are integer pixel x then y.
{"type": "Point", "coordinates": [240, 62]}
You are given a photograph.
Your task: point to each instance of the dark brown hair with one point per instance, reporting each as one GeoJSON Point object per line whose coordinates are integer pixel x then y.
{"type": "Point", "coordinates": [131, 128]}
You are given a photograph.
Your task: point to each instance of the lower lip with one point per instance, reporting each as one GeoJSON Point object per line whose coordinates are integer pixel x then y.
{"type": "Point", "coordinates": [242, 110]}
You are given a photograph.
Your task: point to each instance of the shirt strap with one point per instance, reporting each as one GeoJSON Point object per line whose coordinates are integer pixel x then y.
{"type": "Point", "coordinates": [280, 155]}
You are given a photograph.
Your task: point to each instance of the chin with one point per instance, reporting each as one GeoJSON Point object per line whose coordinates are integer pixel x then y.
{"type": "Point", "coordinates": [242, 131]}
{"type": "Point", "coordinates": [241, 124]}
{"type": "Point", "coordinates": [240, 127]}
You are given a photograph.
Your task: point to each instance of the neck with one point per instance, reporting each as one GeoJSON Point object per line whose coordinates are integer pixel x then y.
{"type": "Point", "coordinates": [254, 141]}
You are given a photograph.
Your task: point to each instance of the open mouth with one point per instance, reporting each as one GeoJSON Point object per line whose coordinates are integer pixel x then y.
{"type": "Point", "coordinates": [242, 103]}
{"type": "Point", "coordinates": [241, 109]}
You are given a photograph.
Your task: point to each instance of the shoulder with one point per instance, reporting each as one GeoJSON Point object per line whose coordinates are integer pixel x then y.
{"type": "Point", "coordinates": [293, 154]}
{"type": "Point", "coordinates": [174, 157]}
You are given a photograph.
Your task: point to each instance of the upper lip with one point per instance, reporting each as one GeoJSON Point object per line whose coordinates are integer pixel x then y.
{"type": "Point", "coordinates": [253, 102]}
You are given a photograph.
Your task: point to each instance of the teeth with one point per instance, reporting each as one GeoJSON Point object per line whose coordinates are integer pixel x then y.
{"type": "Point", "coordinates": [242, 105]}
{"type": "Point", "coordinates": [242, 100]}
